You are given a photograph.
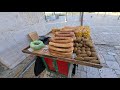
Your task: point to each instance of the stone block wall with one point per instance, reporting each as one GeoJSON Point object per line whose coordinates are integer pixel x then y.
{"type": "Point", "coordinates": [14, 29]}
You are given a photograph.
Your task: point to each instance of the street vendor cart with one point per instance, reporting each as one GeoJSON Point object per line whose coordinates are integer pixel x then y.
{"type": "Point", "coordinates": [82, 54]}
{"type": "Point", "coordinates": [60, 65]}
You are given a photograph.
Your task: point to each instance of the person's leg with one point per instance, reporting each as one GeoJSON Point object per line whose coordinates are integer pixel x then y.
{"type": "Point", "coordinates": [39, 66]}
{"type": "Point", "coordinates": [74, 69]}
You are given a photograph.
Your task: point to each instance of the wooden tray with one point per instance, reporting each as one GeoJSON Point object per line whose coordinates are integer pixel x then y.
{"type": "Point", "coordinates": [44, 52]}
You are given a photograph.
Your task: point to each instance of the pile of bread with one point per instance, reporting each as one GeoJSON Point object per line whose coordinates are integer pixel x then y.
{"type": "Point", "coordinates": [61, 45]}
{"type": "Point", "coordinates": [69, 40]}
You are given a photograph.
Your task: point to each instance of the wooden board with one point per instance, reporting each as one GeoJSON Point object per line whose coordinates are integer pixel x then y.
{"type": "Point", "coordinates": [33, 36]}
{"type": "Point", "coordinates": [45, 53]}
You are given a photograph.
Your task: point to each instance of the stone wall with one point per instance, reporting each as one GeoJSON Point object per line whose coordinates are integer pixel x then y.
{"type": "Point", "coordinates": [14, 29]}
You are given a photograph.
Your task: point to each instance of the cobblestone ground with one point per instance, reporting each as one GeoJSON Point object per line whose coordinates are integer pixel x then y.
{"type": "Point", "coordinates": [105, 32]}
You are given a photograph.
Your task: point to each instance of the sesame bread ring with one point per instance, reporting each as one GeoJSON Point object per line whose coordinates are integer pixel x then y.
{"type": "Point", "coordinates": [62, 53]}
{"type": "Point", "coordinates": [60, 32]}
{"type": "Point", "coordinates": [63, 38]}
{"type": "Point", "coordinates": [67, 29]}
{"type": "Point", "coordinates": [59, 55]}
{"type": "Point", "coordinates": [61, 49]}
{"type": "Point", "coordinates": [71, 27]}
{"type": "Point", "coordinates": [65, 35]}
{"type": "Point", "coordinates": [61, 41]}
{"type": "Point", "coordinates": [66, 45]}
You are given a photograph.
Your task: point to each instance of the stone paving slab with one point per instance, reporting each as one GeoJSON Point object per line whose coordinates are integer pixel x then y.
{"type": "Point", "coordinates": [80, 68]}
{"type": "Point", "coordinates": [118, 76]}
{"type": "Point", "coordinates": [111, 53]}
{"type": "Point", "coordinates": [92, 72]}
{"type": "Point", "coordinates": [107, 73]}
{"type": "Point", "coordinates": [108, 57]}
{"type": "Point", "coordinates": [78, 75]}
{"type": "Point", "coordinates": [113, 64]}
{"type": "Point", "coordinates": [117, 58]}
{"type": "Point", "coordinates": [117, 47]}
{"type": "Point", "coordinates": [83, 74]}
{"type": "Point", "coordinates": [117, 72]}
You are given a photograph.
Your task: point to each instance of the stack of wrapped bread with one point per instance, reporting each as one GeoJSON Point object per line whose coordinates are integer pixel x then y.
{"type": "Point", "coordinates": [61, 45]}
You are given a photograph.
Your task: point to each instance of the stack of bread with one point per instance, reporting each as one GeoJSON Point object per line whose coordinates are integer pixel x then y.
{"type": "Point", "coordinates": [61, 45]}
{"type": "Point", "coordinates": [55, 30]}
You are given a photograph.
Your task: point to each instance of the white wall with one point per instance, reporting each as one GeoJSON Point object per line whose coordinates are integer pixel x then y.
{"type": "Point", "coordinates": [14, 28]}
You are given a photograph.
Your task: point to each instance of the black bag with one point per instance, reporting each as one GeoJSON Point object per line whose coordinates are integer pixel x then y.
{"type": "Point", "coordinates": [45, 39]}
{"type": "Point", "coordinates": [39, 66]}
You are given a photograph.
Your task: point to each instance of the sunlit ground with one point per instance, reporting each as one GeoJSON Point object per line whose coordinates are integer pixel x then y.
{"type": "Point", "coordinates": [77, 13]}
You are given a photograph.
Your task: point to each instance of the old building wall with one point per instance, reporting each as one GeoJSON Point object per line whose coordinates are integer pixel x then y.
{"type": "Point", "coordinates": [14, 29]}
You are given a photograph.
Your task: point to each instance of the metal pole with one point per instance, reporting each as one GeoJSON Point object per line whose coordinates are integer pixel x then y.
{"type": "Point", "coordinates": [97, 13]}
{"type": "Point", "coordinates": [66, 17]}
{"type": "Point", "coordinates": [105, 14]}
{"type": "Point", "coordinates": [45, 17]}
{"type": "Point", "coordinates": [54, 13]}
{"type": "Point", "coordinates": [118, 17]}
{"type": "Point", "coordinates": [82, 18]}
